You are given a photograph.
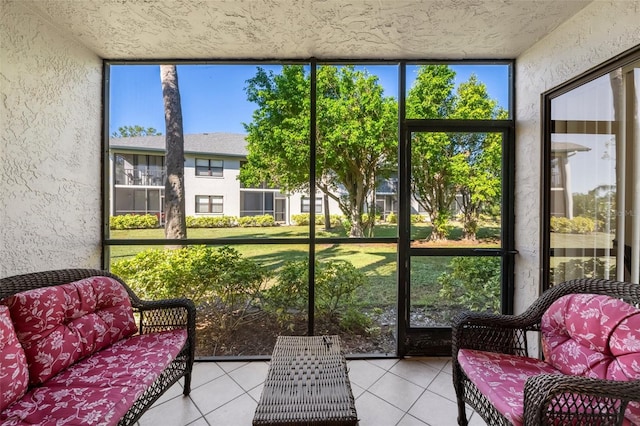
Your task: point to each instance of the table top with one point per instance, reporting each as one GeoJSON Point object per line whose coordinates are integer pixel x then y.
{"type": "Point", "coordinates": [307, 384]}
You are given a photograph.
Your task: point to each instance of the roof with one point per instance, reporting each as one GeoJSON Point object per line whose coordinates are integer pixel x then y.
{"type": "Point", "coordinates": [568, 147]}
{"type": "Point", "coordinates": [219, 143]}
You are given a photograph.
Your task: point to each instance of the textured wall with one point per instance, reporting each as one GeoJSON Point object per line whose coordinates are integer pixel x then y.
{"type": "Point", "coordinates": [50, 109]}
{"type": "Point", "coordinates": [280, 29]}
{"type": "Point", "coordinates": [600, 31]}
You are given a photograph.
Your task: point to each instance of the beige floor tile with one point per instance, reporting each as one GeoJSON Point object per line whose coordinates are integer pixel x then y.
{"type": "Point", "coordinates": [204, 372]}
{"type": "Point", "coordinates": [385, 363]}
{"type": "Point", "coordinates": [172, 392]}
{"type": "Point", "coordinates": [200, 422]}
{"type": "Point", "coordinates": [356, 390]}
{"type": "Point", "coordinates": [251, 375]}
{"type": "Point", "coordinates": [256, 392]}
{"type": "Point", "coordinates": [443, 386]}
{"type": "Point", "coordinates": [227, 393]}
{"type": "Point", "coordinates": [397, 391]}
{"type": "Point", "coordinates": [239, 411]}
{"type": "Point", "coordinates": [415, 371]}
{"type": "Point", "coordinates": [435, 410]}
{"type": "Point", "coordinates": [229, 366]}
{"type": "Point", "coordinates": [441, 363]}
{"type": "Point", "coordinates": [363, 373]}
{"type": "Point", "coordinates": [176, 411]}
{"type": "Point", "coordinates": [475, 419]}
{"type": "Point", "coordinates": [216, 393]}
{"type": "Point", "coordinates": [409, 420]}
{"type": "Point", "coordinates": [373, 411]}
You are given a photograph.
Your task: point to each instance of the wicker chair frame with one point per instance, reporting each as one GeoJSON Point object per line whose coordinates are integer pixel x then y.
{"type": "Point", "coordinates": [153, 316]}
{"type": "Point", "coordinates": [548, 399]}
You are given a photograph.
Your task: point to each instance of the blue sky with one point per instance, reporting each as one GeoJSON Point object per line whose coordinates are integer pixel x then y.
{"type": "Point", "coordinates": [213, 97]}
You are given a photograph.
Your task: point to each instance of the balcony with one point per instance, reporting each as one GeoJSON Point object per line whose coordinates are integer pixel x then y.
{"type": "Point", "coordinates": [140, 177]}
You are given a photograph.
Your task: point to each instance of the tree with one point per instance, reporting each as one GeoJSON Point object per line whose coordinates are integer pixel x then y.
{"type": "Point", "coordinates": [481, 180]}
{"type": "Point", "coordinates": [356, 136]}
{"type": "Point", "coordinates": [436, 163]}
{"type": "Point", "coordinates": [131, 131]}
{"type": "Point", "coordinates": [175, 220]}
{"type": "Point", "coordinates": [446, 167]}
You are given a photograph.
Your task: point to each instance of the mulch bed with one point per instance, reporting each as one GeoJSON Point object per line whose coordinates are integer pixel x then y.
{"type": "Point", "coordinates": [258, 336]}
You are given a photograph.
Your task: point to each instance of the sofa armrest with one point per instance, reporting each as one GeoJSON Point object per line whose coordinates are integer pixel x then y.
{"type": "Point", "coordinates": [556, 398]}
{"type": "Point", "coordinates": [167, 314]}
{"type": "Point", "coordinates": [492, 332]}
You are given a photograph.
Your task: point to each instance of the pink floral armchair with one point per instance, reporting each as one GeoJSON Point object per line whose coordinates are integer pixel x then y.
{"type": "Point", "coordinates": [589, 374]}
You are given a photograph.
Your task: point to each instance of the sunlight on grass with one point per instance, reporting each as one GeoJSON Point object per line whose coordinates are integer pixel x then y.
{"type": "Point", "coordinates": [378, 261]}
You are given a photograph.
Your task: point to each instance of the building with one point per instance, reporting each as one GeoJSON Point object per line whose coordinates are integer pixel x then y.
{"type": "Point", "coordinates": [212, 187]}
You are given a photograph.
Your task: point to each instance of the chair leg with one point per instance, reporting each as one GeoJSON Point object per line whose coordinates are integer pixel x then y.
{"type": "Point", "coordinates": [187, 384]}
{"type": "Point", "coordinates": [462, 415]}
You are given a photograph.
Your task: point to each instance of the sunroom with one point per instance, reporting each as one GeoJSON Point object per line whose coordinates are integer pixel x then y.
{"type": "Point", "coordinates": [568, 164]}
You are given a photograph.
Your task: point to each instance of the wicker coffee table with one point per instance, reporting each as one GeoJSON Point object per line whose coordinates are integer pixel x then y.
{"type": "Point", "coordinates": [307, 384]}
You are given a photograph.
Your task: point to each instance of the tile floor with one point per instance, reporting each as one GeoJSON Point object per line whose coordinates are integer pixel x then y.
{"type": "Point", "coordinates": [388, 392]}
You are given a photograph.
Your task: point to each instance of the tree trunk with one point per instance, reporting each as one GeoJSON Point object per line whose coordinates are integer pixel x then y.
{"type": "Point", "coordinates": [327, 214]}
{"type": "Point", "coordinates": [174, 204]}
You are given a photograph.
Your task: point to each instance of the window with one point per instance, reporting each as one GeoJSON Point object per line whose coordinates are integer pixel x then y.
{"type": "Point", "coordinates": [353, 132]}
{"type": "Point", "coordinates": [256, 203]}
{"type": "Point", "coordinates": [209, 167]}
{"type": "Point", "coordinates": [306, 205]}
{"type": "Point", "coordinates": [209, 204]}
{"type": "Point", "coordinates": [590, 213]}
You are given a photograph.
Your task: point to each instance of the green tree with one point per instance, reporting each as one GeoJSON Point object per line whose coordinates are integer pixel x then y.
{"type": "Point", "coordinates": [175, 218]}
{"type": "Point", "coordinates": [356, 136]}
{"type": "Point", "coordinates": [449, 165]}
{"type": "Point", "coordinates": [481, 181]}
{"type": "Point", "coordinates": [436, 164]}
{"type": "Point", "coordinates": [131, 131]}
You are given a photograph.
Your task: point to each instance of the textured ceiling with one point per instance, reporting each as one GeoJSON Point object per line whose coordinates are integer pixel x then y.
{"type": "Point", "coordinates": [300, 29]}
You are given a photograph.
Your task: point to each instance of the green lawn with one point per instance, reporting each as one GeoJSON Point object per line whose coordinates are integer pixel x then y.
{"type": "Point", "coordinates": [377, 261]}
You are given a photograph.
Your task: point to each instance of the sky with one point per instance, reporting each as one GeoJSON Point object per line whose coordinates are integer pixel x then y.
{"type": "Point", "coordinates": [213, 97]}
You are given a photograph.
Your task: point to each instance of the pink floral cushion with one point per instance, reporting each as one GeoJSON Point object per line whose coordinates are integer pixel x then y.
{"type": "Point", "coordinates": [100, 389]}
{"type": "Point", "coordinates": [576, 332]}
{"type": "Point", "coordinates": [14, 375]}
{"type": "Point", "coordinates": [59, 325]}
{"type": "Point", "coordinates": [501, 378]}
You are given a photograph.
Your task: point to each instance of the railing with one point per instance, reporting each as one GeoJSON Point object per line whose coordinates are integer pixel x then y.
{"type": "Point", "coordinates": [141, 177]}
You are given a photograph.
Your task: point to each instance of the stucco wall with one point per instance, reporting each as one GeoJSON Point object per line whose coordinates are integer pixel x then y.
{"type": "Point", "coordinates": [50, 88]}
{"type": "Point", "coordinates": [597, 33]}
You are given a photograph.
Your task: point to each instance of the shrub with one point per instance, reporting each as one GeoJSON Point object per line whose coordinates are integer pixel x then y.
{"type": "Point", "coordinates": [560, 224]}
{"type": "Point", "coordinates": [303, 219]}
{"type": "Point", "coordinates": [365, 217]}
{"type": "Point", "coordinates": [211, 221]}
{"type": "Point", "coordinates": [392, 218]}
{"type": "Point", "coordinates": [577, 225]}
{"type": "Point", "coordinates": [219, 277]}
{"type": "Point", "coordinates": [582, 225]}
{"type": "Point", "coordinates": [473, 282]}
{"type": "Point", "coordinates": [300, 219]}
{"type": "Point", "coordinates": [133, 221]}
{"type": "Point", "coordinates": [256, 221]}
{"type": "Point", "coordinates": [417, 218]}
{"type": "Point", "coordinates": [336, 282]}
{"type": "Point", "coordinates": [579, 268]}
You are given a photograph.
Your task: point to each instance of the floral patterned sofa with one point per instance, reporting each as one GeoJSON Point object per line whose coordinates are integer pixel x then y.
{"type": "Point", "coordinates": [589, 330]}
{"type": "Point", "coordinates": [78, 347]}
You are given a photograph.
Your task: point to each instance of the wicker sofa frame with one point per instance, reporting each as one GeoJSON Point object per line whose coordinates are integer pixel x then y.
{"type": "Point", "coordinates": [152, 316]}
{"type": "Point", "coordinates": [508, 334]}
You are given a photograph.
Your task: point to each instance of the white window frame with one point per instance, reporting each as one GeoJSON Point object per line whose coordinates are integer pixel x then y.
{"type": "Point", "coordinates": [211, 203]}
{"type": "Point", "coordinates": [211, 169]}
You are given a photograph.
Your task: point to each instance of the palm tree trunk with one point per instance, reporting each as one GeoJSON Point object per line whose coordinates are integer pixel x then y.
{"type": "Point", "coordinates": [174, 203]}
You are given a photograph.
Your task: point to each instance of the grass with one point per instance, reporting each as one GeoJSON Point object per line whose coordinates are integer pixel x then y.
{"type": "Point", "coordinates": [377, 261]}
